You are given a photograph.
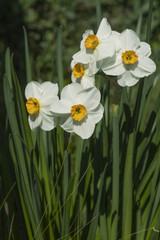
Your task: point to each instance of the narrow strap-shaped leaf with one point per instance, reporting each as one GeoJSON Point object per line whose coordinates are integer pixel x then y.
{"type": "Point", "coordinates": [115, 176]}
{"type": "Point", "coordinates": [25, 212]}
{"type": "Point", "coordinates": [128, 189]}
{"type": "Point", "coordinates": [15, 130]}
{"type": "Point", "coordinates": [27, 58]}
{"type": "Point", "coordinates": [156, 227]}
{"type": "Point", "coordinates": [94, 223]}
{"type": "Point", "coordinates": [79, 151]}
{"type": "Point", "coordinates": [66, 210]}
{"type": "Point", "coordinates": [98, 12]}
{"type": "Point", "coordinates": [8, 67]}
{"type": "Point", "coordinates": [65, 174]}
{"type": "Point", "coordinates": [44, 172]}
{"type": "Point", "coordinates": [59, 59]}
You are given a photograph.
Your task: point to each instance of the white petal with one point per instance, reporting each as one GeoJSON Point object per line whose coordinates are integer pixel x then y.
{"type": "Point", "coordinates": [49, 86]}
{"type": "Point", "coordinates": [61, 107]}
{"type": "Point", "coordinates": [129, 40]}
{"type": "Point", "coordinates": [144, 49]}
{"type": "Point", "coordinates": [70, 91]}
{"type": "Point", "coordinates": [104, 50]}
{"type": "Point", "coordinates": [34, 120]}
{"type": "Point", "coordinates": [87, 81]}
{"type": "Point", "coordinates": [114, 35]}
{"type": "Point", "coordinates": [127, 79]}
{"type": "Point", "coordinates": [85, 35]}
{"type": "Point", "coordinates": [46, 110]}
{"type": "Point", "coordinates": [33, 90]}
{"type": "Point", "coordinates": [100, 63]}
{"type": "Point", "coordinates": [96, 114]}
{"type": "Point", "coordinates": [76, 80]}
{"type": "Point", "coordinates": [89, 97]}
{"type": "Point", "coordinates": [86, 66]}
{"type": "Point", "coordinates": [73, 63]}
{"type": "Point", "coordinates": [48, 122]}
{"type": "Point", "coordinates": [82, 57]}
{"type": "Point", "coordinates": [93, 64]}
{"type": "Point", "coordinates": [87, 32]}
{"type": "Point", "coordinates": [73, 78]}
{"type": "Point", "coordinates": [50, 91]}
{"type": "Point", "coordinates": [84, 129]}
{"type": "Point", "coordinates": [104, 30]}
{"type": "Point", "coordinates": [113, 66]}
{"type": "Point", "coordinates": [121, 81]}
{"type": "Point", "coordinates": [66, 123]}
{"type": "Point", "coordinates": [115, 39]}
{"type": "Point", "coordinates": [144, 68]}
{"type": "Point", "coordinates": [48, 99]}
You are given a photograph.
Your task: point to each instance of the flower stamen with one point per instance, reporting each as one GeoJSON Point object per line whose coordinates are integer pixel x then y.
{"type": "Point", "coordinates": [78, 112]}
{"type": "Point", "coordinates": [32, 105]}
{"type": "Point", "coordinates": [78, 70]}
{"type": "Point", "coordinates": [129, 57]}
{"type": "Point", "coordinates": [91, 41]}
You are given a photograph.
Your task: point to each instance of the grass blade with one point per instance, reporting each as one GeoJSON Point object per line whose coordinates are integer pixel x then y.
{"type": "Point", "coordinates": [127, 190]}
{"type": "Point", "coordinates": [93, 226]}
{"type": "Point", "coordinates": [115, 176]}
{"type": "Point", "coordinates": [27, 58]}
{"type": "Point", "coordinates": [59, 59]}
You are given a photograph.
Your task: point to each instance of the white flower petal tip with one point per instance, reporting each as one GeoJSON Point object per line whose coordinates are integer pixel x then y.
{"type": "Point", "coordinates": [104, 30]}
{"type": "Point", "coordinates": [40, 98]}
{"type": "Point", "coordinates": [79, 109]}
{"type": "Point", "coordinates": [127, 79]}
{"type": "Point", "coordinates": [129, 40]}
{"type": "Point", "coordinates": [145, 67]}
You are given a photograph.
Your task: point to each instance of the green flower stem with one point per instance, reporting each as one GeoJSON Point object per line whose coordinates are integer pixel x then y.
{"type": "Point", "coordinates": [116, 89]}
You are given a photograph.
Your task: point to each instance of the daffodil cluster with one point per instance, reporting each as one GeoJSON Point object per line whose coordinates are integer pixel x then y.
{"type": "Point", "coordinates": [116, 54]}
{"type": "Point", "coordinates": [79, 107]}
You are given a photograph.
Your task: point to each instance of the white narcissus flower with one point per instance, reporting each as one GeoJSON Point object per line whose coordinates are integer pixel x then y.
{"type": "Point", "coordinates": [81, 73]}
{"type": "Point", "coordinates": [39, 99]}
{"type": "Point", "coordinates": [131, 61]}
{"type": "Point", "coordinates": [80, 109]}
{"type": "Point", "coordinates": [96, 47]}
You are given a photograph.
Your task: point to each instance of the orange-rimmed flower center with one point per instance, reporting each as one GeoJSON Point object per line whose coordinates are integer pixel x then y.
{"type": "Point", "coordinates": [32, 105]}
{"type": "Point", "coordinates": [78, 70]}
{"type": "Point", "coordinates": [129, 57]}
{"type": "Point", "coordinates": [78, 112]}
{"type": "Point", "coordinates": [91, 41]}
